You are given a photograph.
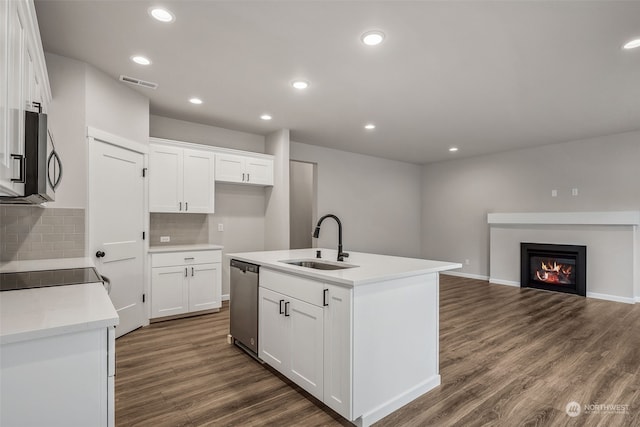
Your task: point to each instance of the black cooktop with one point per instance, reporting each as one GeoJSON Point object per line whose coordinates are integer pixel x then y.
{"type": "Point", "coordinates": [46, 278]}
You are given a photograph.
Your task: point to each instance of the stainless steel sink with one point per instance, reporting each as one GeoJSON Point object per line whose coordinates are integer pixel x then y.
{"type": "Point", "coordinates": [318, 264]}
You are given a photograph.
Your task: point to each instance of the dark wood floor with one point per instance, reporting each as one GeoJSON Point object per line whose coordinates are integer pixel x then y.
{"type": "Point", "coordinates": [508, 357]}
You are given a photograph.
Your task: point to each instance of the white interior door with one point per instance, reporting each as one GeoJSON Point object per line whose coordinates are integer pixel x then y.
{"type": "Point", "coordinates": [116, 217]}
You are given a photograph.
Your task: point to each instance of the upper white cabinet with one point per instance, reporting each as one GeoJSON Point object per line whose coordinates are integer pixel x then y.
{"type": "Point", "coordinates": [180, 180]}
{"type": "Point", "coordinates": [23, 80]}
{"type": "Point", "coordinates": [244, 169]}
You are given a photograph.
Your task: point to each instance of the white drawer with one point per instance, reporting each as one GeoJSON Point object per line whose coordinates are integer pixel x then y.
{"type": "Point", "coordinates": [294, 286]}
{"type": "Point", "coordinates": [168, 259]}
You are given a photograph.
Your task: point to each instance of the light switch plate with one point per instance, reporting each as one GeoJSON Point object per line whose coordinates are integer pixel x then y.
{"type": "Point", "coordinates": [220, 227]}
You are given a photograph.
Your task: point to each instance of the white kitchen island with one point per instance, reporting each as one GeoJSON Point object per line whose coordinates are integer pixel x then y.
{"type": "Point", "coordinates": [57, 352]}
{"type": "Point", "coordinates": [364, 340]}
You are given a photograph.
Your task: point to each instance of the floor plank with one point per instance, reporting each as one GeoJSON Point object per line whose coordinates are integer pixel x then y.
{"type": "Point", "coordinates": [508, 357]}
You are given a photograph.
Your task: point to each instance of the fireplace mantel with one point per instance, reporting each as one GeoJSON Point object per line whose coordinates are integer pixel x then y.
{"type": "Point", "coordinates": [612, 238]}
{"type": "Point", "coordinates": [566, 218]}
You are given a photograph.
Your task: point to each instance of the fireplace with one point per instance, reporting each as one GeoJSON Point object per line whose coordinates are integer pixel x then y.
{"type": "Point", "coordinates": [560, 268]}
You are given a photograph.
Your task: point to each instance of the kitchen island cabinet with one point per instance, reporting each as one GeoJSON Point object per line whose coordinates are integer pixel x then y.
{"type": "Point", "coordinates": [366, 340]}
{"type": "Point", "coordinates": [57, 356]}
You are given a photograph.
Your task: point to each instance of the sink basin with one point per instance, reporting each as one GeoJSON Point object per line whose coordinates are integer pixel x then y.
{"type": "Point", "coordinates": [318, 264]}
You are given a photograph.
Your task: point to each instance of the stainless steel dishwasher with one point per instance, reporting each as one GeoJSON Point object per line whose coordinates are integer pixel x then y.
{"type": "Point", "coordinates": [244, 305]}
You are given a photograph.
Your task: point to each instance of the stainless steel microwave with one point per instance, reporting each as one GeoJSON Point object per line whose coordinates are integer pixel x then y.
{"type": "Point", "coordinates": [40, 168]}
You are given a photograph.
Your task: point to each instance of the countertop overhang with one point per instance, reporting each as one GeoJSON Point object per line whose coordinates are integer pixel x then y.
{"type": "Point", "coordinates": [371, 268]}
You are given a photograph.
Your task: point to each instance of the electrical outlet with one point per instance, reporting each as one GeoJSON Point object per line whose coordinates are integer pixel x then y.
{"type": "Point", "coordinates": [574, 191]}
{"type": "Point", "coordinates": [554, 193]}
{"type": "Point", "coordinates": [165, 239]}
{"type": "Point", "coordinates": [220, 227]}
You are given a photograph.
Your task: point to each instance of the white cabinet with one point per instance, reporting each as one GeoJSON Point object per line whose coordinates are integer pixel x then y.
{"type": "Point", "coordinates": [185, 282]}
{"type": "Point", "coordinates": [59, 380]}
{"type": "Point", "coordinates": [23, 80]}
{"type": "Point", "coordinates": [181, 180]}
{"type": "Point", "coordinates": [305, 333]}
{"type": "Point", "coordinates": [337, 350]}
{"type": "Point", "coordinates": [244, 169]}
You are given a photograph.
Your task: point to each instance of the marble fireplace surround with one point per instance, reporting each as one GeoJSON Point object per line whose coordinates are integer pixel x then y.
{"type": "Point", "coordinates": [612, 240]}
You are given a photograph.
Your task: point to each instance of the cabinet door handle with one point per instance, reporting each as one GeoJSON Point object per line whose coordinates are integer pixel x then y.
{"type": "Point", "coordinates": [247, 177]}
{"type": "Point", "coordinates": [191, 271]}
{"type": "Point", "coordinates": [281, 301]}
{"type": "Point", "coordinates": [23, 165]}
{"type": "Point", "coordinates": [180, 208]}
{"type": "Point", "coordinates": [286, 309]}
{"type": "Point", "coordinates": [243, 177]}
{"type": "Point", "coordinates": [325, 294]}
{"type": "Point", "coordinates": [186, 206]}
{"type": "Point", "coordinates": [185, 272]}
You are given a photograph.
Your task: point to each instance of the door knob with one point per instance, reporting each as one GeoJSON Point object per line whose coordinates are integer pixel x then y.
{"type": "Point", "coordinates": [100, 254]}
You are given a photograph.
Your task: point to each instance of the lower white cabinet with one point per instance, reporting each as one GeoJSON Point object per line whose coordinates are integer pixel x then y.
{"type": "Point", "coordinates": [185, 282]}
{"type": "Point", "coordinates": [292, 338]}
{"type": "Point", "coordinates": [59, 381]}
{"type": "Point", "coordinates": [305, 333]}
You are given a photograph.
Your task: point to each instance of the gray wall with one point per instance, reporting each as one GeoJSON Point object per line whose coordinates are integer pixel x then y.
{"type": "Point", "coordinates": [302, 204]}
{"type": "Point", "coordinates": [67, 121]}
{"type": "Point", "coordinates": [377, 200]}
{"type": "Point", "coordinates": [164, 127]}
{"type": "Point", "coordinates": [276, 212]}
{"type": "Point", "coordinates": [458, 194]}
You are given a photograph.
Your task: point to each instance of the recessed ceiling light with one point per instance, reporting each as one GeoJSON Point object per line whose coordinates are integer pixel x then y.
{"type": "Point", "coordinates": [140, 60]}
{"type": "Point", "coordinates": [196, 101]}
{"type": "Point", "coordinates": [161, 14]}
{"type": "Point", "coordinates": [369, 126]}
{"type": "Point", "coordinates": [300, 84]}
{"type": "Point", "coordinates": [372, 38]}
{"type": "Point", "coordinates": [266, 117]}
{"type": "Point", "coordinates": [632, 44]}
{"type": "Point", "coordinates": [453, 149]}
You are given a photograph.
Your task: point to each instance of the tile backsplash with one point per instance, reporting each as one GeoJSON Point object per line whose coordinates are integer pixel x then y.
{"type": "Point", "coordinates": [183, 229]}
{"type": "Point", "coordinates": [33, 232]}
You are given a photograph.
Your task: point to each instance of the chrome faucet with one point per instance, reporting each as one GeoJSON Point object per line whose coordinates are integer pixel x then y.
{"type": "Point", "coordinates": [316, 233]}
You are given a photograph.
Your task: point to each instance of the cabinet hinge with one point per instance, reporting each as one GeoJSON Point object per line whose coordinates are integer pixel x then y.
{"type": "Point", "coordinates": [144, 172]}
{"type": "Point", "coordinates": [143, 297]}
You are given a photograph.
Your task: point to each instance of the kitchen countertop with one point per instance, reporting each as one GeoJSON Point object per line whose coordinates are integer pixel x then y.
{"type": "Point", "coordinates": [184, 248]}
{"type": "Point", "coordinates": [37, 313]}
{"type": "Point", "coordinates": [45, 264]}
{"type": "Point", "coordinates": [371, 268]}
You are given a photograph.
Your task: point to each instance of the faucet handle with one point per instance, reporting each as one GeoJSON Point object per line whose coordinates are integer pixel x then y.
{"type": "Point", "coordinates": [342, 255]}
{"type": "Point", "coordinates": [345, 254]}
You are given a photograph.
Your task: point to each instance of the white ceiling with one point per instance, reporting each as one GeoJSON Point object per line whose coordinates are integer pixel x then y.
{"type": "Point", "coordinates": [483, 76]}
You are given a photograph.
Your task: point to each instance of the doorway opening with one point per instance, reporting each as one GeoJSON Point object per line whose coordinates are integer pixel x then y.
{"type": "Point", "coordinates": [302, 203]}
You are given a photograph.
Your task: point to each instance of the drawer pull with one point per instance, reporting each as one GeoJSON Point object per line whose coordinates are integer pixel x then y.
{"type": "Point", "coordinates": [286, 309]}
{"type": "Point", "coordinates": [281, 301]}
{"type": "Point", "coordinates": [189, 258]}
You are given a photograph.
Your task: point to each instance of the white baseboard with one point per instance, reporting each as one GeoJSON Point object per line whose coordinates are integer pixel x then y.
{"type": "Point", "coordinates": [465, 275]}
{"type": "Point", "coordinates": [225, 297]}
{"type": "Point", "coordinates": [637, 300]}
{"type": "Point", "coordinates": [615, 298]}
{"type": "Point", "coordinates": [397, 402]}
{"type": "Point", "coordinates": [504, 282]}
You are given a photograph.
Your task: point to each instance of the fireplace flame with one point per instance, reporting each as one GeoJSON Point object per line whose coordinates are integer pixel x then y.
{"type": "Point", "coordinates": [553, 272]}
